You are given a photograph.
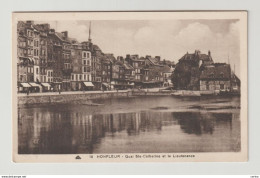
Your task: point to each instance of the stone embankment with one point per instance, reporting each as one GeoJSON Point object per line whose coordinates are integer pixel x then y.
{"type": "Point", "coordinates": [68, 97]}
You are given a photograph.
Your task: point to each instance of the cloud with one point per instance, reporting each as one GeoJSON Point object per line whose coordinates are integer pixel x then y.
{"type": "Point", "coordinates": [169, 39]}
{"type": "Point", "coordinates": [223, 47]}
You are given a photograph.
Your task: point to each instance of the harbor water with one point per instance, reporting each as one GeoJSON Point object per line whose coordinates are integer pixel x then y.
{"type": "Point", "coordinates": [145, 124]}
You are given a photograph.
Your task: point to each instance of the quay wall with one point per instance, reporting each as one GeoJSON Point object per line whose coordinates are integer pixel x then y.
{"type": "Point", "coordinates": [67, 98]}
{"type": "Point", "coordinates": [149, 93]}
{"type": "Point", "coordinates": [77, 97]}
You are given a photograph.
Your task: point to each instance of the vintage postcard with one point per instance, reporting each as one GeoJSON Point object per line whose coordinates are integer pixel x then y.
{"type": "Point", "coordinates": [130, 86]}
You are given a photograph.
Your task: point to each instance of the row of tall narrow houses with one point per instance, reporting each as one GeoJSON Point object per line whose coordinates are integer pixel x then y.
{"type": "Point", "coordinates": [52, 61]}
{"type": "Point", "coordinates": [199, 72]}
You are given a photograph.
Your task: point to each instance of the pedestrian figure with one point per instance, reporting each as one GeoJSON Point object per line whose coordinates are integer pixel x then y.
{"type": "Point", "coordinates": [27, 91]}
{"type": "Point", "coordinates": [59, 89]}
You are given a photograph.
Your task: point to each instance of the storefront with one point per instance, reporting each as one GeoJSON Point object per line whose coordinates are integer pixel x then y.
{"type": "Point", "coordinates": [76, 86]}
{"type": "Point", "coordinates": [97, 85]}
{"type": "Point", "coordinates": [66, 86]}
{"type": "Point", "coordinates": [35, 87]}
{"type": "Point", "coordinates": [24, 87]}
{"type": "Point", "coordinates": [88, 86]}
{"type": "Point", "coordinates": [105, 86]}
{"type": "Point", "coordinates": [46, 87]}
{"type": "Point", "coordinates": [57, 86]}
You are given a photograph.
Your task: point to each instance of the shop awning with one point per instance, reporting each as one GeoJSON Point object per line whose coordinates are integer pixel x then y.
{"type": "Point", "coordinates": [25, 85]}
{"type": "Point", "coordinates": [34, 84]}
{"type": "Point", "coordinates": [105, 84]}
{"type": "Point", "coordinates": [132, 83]}
{"type": "Point", "coordinates": [46, 85]}
{"type": "Point", "coordinates": [88, 84]}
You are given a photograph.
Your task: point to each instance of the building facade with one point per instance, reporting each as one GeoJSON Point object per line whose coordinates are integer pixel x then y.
{"type": "Point", "coordinates": [216, 78]}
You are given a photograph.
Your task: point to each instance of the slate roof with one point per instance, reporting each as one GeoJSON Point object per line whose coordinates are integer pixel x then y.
{"type": "Point", "coordinates": [196, 56]}
{"type": "Point", "coordinates": [218, 71]}
{"type": "Point", "coordinates": [127, 66]}
{"type": "Point", "coordinates": [61, 37]}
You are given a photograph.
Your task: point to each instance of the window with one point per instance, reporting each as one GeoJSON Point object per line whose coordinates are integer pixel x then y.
{"type": "Point", "coordinates": [87, 62]}
{"type": "Point", "coordinates": [72, 77]}
{"type": "Point", "coordinates": [85, 69]}
{"type": "Point", "coordinates": [222, 87]}
{"type": "Point", "coordinates": [84, 62]}
{"type": "Point", "coordinates": [84, 77]}
{"type": "Point", "coordinates": [80, 77]}
{"type": "Point", "coordinates": [84, 54]}
{"type": "Point", "coordinates": [37, 70]}
{"type": "Point", "coordinates": [88, 77]}
{"type": "Point", "coordinates": [87, 55]}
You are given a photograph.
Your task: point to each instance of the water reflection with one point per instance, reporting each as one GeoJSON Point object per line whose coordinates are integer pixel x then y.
{"type": "Point", "coordinates": [46, 131]}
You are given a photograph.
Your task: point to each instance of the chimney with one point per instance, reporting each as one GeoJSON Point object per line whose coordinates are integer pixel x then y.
{"type": "Point", "coordinates": [30, 22]}
{"type": "Point", "coordinates": [122, 59]}
{"type": "Point", "coordinates": [209, 53]}
{"type": "Point", "coordinates": [128, 56]}
{"type": "Point", "coordinates": [65, 34]}
{"type": "Point", "coordinates": [147, 56]}
{"type": "Point", "coordinates": [136, 56]}
{"type": "Point", "coordinates": [158, 58]}
{"type": "Point", "coordinates": [52, 31]}
{"type": "Point", "coordinates": [46, 26]}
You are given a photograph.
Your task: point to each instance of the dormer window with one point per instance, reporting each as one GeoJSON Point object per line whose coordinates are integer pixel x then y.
{"type": "Point", "coordinates": [222, 75]}
{"type": "Point", "coordinates": [211, 75]}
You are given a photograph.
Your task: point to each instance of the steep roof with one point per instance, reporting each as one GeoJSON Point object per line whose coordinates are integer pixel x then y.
{"type": "Point", "coordinates": [187, 57]}
{"type": "Point", "coordinates": [96, 48]}
{"type": "Point", "coordinates": [205, 57]}
{"type": "Point", "coordinates": [218, 71]}
{"type": "Point", "coordinates": [128, 66]}
{"type": "Point", "coordinates": [119, 63]}
{"type": "Point", "coordinates": [196, 56]}
{"type": "Point", "coordinates": [166, 69]}
{"type": "Point", "coordinates": [62, 37]}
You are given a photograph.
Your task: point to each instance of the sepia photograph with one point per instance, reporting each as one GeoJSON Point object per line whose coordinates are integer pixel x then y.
{"type": "Point", "coordinates": [129, 86]}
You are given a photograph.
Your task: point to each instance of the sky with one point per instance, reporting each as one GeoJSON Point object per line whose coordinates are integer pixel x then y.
{"type": "Point", "coordinates": [170, 39]}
